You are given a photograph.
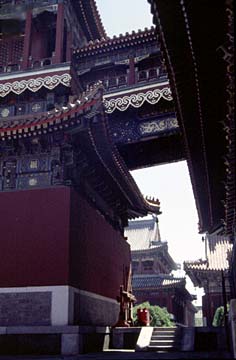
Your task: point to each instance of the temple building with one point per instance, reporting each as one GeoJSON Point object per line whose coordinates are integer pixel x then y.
{"type": "Point", "coordinates": [151, 272]}
{"type": "Point", "coordinates": [212, 274]}
{"type": "Point", "coordinates": [65, 191]}
{"type": "Point", "coordinates": [78, 110]}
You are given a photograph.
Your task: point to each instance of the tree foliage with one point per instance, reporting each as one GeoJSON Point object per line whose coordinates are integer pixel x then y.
{"type": "Point", "coordinates": [158, 316]}
{"type": "Point", "coordinates": [219, 317]}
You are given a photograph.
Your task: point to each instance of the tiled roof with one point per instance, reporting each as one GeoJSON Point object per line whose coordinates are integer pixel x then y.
{"type": "Point", "coordinates": [53, 120]}
{"type": "Point", "coordinates": [156, 281]}
{"type": "Point", "coordinates": [218, 252]}
{"type": "Point", "coordinates": [121, 41]}
{"type": "Point", "coordinates": [143, 234]}
{"type": "Point", "coordinates": [89, 18]}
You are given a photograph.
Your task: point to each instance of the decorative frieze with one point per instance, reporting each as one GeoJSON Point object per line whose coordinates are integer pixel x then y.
{"type": "Point", "coordinates": [34, 84]}
{"type": "Point", "coordinates": [34, 164]}
{"type": "Point", "coordinates": [136, 100]}
{"type": "Point", "coordinates": [30, 181]}
{"type": "Point", "coordinates": [132, 130]}
{"type": "Point", "coordinates": [157, 126]}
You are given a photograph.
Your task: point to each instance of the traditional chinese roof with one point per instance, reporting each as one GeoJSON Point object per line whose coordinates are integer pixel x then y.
{"type": "Point", "coordinates": [151, 282]}
{"type": "Point", "coordinates": [197, 41]}
{"type": "Point", "coordinates": [160, 282]}
{"type": "Point", "coordinates": [127, 40]}
{"type": "Point", "coordinates": [85, 116]}
{"type": "Point", "coordinates": [143, 234]}
{"type": "Point", "coordinates": [90, 19]}
{"type": "Point", "coordinates": [54, 120]}
{"type": "Point", "coordinates": [144, 238]}
{"type": "Point", "coordinates": [218, 249]}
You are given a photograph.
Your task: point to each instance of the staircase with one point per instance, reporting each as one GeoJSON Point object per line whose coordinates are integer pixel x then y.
{"type": "Point", "coordinates": [165, 339]}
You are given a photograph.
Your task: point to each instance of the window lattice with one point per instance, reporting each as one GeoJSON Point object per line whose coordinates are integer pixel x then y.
{"type": "Point", "coordinates": [11, 50]}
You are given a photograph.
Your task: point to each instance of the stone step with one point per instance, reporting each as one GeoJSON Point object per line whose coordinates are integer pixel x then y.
{"type": "Point", "coordinates": [165, 333]}
{"type": "Point", "coordinates": [165, 348]}
{"type": "Point", "coordinates": [168, 341]}
{"type": "Point", "coordinates": [163, 337]}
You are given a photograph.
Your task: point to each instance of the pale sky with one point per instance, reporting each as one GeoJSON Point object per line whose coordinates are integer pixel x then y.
{"type": "Point", "coordinates": [169, 183]}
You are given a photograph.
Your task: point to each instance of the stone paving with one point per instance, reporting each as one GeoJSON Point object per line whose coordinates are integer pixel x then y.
{"type": "Point", "coordinates": [127, 355]}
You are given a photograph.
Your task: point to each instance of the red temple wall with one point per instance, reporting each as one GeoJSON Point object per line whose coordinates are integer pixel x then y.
{"type": "Point", "coordinates": [34, 233]}
{"type": "Point", "coordinates": [54, 237]}
{"type": "Point", "coordinates": [98, 252]}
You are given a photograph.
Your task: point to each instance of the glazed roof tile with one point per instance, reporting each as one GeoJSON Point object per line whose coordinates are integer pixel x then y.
{"type": "Point", "coordinates": [143, 234]}
{"type": "Point", "coordinates": [62, 117]}
{"type": "Point", "coordinates": [156, 281]}
{"type": "Point", "coordinates": [219, 249]}
{"type": "Point", "coordinates": [123, 40]}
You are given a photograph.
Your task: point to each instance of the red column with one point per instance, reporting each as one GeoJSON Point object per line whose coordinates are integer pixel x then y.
{"type": "Point", "coordinates": [131, 79]}
{"type": "Point", "coordinates": [59, 34]}
{"type": "Point", "coordinates": [27, 39]}
{"type": "Point", "coordinates": [68, 46]}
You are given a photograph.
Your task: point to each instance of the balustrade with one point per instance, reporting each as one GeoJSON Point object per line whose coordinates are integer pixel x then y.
{"type": "Point", "coordinates": [37, 64]}
{"type": "Point", "coordinates": [119, 81]}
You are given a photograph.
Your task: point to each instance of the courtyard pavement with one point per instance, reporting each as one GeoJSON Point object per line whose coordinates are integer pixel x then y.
{"type": "Point", "coordinates": [126, 355]}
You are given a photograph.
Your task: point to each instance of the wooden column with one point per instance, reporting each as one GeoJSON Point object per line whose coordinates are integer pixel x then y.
{"type": "Point", "coordinates": [27, 40]}
{"type": "Point", "coordinates": [131, 79]}
{"type": "Point", "coordinates": [68, 46]}
{"type": "Point", "coordinates": [59, 35]}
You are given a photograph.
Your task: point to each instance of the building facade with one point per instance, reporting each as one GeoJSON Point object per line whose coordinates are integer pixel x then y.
{"type": "Point", "coordinates": [151, 272]}
{"type": "Point", "coordinates": [212, 274]}
{"type": "Point", "coordinates": [65, 192]}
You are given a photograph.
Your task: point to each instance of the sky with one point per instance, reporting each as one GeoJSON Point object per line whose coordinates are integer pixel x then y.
{"type": "Point", "coordinates": [169, 183]}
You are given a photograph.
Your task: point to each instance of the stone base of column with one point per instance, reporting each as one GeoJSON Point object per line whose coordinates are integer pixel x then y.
{"type": "Point", "coordinates": [55, 306]}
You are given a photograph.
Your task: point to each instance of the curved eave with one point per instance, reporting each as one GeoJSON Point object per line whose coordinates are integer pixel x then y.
{"type": "Point", "coordinates": [90, 19]}
{"type": "Point", "coordinates": [192, 34]}
{"type": "Point", "coordinates": [118, 172]}
{"type": "Point", "coordinates": [199, 273]}
{"type": "Point", "coordinates": [86, 114]}
{"type": "Point", "coordinates": [65, 118]}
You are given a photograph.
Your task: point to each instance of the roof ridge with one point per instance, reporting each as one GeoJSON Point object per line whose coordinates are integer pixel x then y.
{"type": "Point", "coordinates": [93, 44]}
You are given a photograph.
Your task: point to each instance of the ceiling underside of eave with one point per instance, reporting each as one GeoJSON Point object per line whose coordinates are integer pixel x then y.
{"type": "Point", "coordinates": [192, 33]}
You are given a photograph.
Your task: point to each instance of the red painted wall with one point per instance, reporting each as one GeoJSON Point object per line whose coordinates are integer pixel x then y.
{"type": "Point", "coordinates": [34, 233]}
{"type": "Point", "coordinates": [39, 45]}
{"type": "Point", "coordinates": [98, 252]}
{"type": "Point", "coordinates": [54, 237]}
{"type": "Point", "coordinates": [210, 302]}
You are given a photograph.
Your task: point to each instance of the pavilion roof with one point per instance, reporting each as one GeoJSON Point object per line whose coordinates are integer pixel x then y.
{"type": "Point", "coordinates": [156, 281]}
{"type": "Point", "coordinates": [143, 234]}
{"type": "Point", "coordinates": [197, 40]}
{"type": "Point", "coordinates": [218, 249]}
{"type": "Point", "coordinates": [144, 237]}
{"type": "Point", "coordinates": [126, 40]}
{"type": "Point", "coordinates": [60, 118]}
